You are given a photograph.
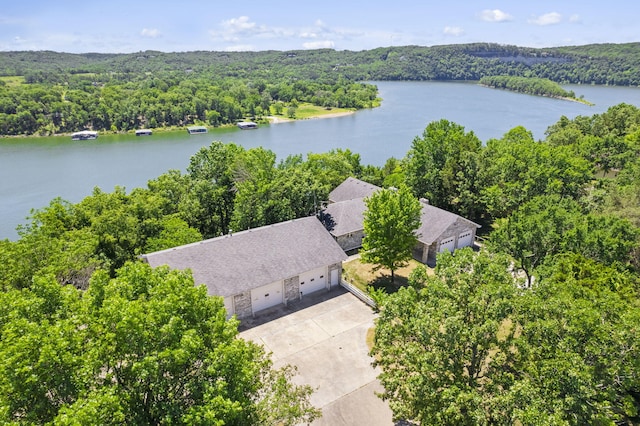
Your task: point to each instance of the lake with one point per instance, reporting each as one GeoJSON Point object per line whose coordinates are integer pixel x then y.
{"type": "Point", "coordinates": [35, 170]}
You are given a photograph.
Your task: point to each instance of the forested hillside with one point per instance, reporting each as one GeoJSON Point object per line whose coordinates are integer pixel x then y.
{"type": "Point", "coordinates": [47, 92]}
{"type": "Point", "coordinates": [590, 64]}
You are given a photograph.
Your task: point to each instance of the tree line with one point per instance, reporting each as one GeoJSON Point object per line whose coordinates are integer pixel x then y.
{"type": "Point", "coordinates": [103, 103]}
{"type": "Point", "coordinates": [589, 64]}
{"type": "Point", "coordinates": [540, 327]}
{"type": "Point", "coordinates": [532, 86]}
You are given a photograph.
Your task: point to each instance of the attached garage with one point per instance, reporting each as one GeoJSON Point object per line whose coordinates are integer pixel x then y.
{"type": "Point", "coordinates": [262, 267]}
{"type": "Point", "coordinates": [267, 296]}
{"type": "Point", "coordinates": [465, 239]}
{"type": "Point", "coordinates": [313, 281]}
{"type": "Point", "coordinates": [448, 244]}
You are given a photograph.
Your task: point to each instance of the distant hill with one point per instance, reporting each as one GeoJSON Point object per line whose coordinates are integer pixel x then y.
{"type": "Point", "coordinates": [617, 64]}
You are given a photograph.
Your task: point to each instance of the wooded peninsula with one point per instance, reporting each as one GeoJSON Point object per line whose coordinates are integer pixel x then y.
{"type": "Point", "coordinates": [45, 93]}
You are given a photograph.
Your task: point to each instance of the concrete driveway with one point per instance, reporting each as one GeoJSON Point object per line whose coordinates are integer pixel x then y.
{"type": "Point", "coordinates": [325, 338]}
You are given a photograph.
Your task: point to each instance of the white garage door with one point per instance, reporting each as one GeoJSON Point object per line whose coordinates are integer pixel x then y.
{"type": "Point", "coordinates": [266, 296]}
{"type": "Point", "coordinates": [465, 239]}
{"type": "Point", "coordinates": [313, 281]}
{"type": "Point", "coordinates": [448, 244]}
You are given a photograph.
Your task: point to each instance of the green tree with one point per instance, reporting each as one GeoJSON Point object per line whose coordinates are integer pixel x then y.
{"type": "Point", "coordinates": [147, 348]}
{"type": "Point", "coordinates": [442, 167]}
{"type": "Point", "coordinates": [515, 169]}
{"type": "Point", "coordinates": [390, 223]}
{"type": "Point", "coordinates": [549, 225]}
{"type": "Point", "coordinates": [470, 347]}
{"type": "Point", "coordinates": [579, 346]}
{"type": "Point", "coordinates": [444, 349]}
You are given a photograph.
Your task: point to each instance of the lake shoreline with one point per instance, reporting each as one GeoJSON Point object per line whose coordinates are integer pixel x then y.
{"type": "Point", "coordinates": [272, 119]}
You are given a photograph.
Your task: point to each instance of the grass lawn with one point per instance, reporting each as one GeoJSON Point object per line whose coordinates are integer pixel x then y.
{"type": "Point", "coordinates": [361, 275]}
{"type": "Point", "coordinates": [305, 110]}
{"type": "Point", "coordinates": [308, 111]}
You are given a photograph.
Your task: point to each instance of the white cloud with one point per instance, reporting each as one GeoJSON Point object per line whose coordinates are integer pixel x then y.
{"type": "Point", "coordinates": [308, 34]}
{"type": "Point", "coordinates": [575, 19]}
{"type": "Point", "coordinates": [453, 31]}
{"type": "Point", "coordinates": [243, 34]}
{"type": "Point", "coordinates": [241, 26]}
{"type": "Point", "coordinates": [495, 15]}
{"type": "Point", "coordinates": [150, 32]}
{"type": "Point", "coordinates": [326, 44]}
{"type": "Point", "coordinates": [546, 19]}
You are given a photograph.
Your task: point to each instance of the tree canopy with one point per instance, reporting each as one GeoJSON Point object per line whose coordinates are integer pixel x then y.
{"type": "Point", "coordinates": [147, 347]}
{"type": "Point", "coordinates": [471, 347]}
{"type": "Point", "coordinates": [390, 223]}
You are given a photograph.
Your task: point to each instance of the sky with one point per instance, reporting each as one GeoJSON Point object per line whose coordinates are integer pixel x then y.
{"type": "Point", "coordinates": [119, 26]}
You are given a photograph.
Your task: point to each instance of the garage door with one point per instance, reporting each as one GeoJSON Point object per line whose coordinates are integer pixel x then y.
{"type": "Point", "coordinates": [266, 296]}
{"type": "Point", "coordinates": [448, 244]}
{"type": "Point", "coordinates": [465, 239]}
{"type": "Point", "coordinates": [313, 281]}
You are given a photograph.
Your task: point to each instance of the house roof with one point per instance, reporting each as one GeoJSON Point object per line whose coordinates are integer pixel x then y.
{"type": "Point", "coordinates": [236, 263]}
{"type": "Point", "coordinates": [350, 189]}
{"type": "Point", "coordinates": [434, 222]}
{"type": "Point", "coordinates": [345, 214]}
{"type": "Point", "coordinates": [344, 217]}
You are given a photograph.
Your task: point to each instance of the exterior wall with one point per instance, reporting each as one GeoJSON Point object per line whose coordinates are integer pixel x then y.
{"type": "Point", "coordinates": [291, 289]}
{"type": "Point", "coordinates": [338, 267]}
{"type": "Point", "coordinates": [242, 303]}
{"type": "Point", "coordinates": [427, 254]}
{"type": "Point", "coordinates": [421, 253]}
{"type": "Point", "coordinates": [350, 241]}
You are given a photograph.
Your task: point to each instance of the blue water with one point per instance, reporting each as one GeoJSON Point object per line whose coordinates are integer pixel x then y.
{"type": "Point", "coordinates": [33, 171]}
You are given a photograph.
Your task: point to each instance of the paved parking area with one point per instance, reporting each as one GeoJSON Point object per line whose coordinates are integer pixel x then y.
{"type": "Point", "coordinates": [325, 337]}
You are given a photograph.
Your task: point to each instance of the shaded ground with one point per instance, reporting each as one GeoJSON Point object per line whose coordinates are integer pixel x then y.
{"type": "Point", "coordinates": [361, 274]}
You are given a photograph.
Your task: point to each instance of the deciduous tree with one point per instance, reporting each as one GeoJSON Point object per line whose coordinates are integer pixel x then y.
{"type": "Point", "coordinates": [390, 223]}
{"type": "Point", "coordinates": [146, 348]}
{"type": "Point", "coordinates": [444, 349]}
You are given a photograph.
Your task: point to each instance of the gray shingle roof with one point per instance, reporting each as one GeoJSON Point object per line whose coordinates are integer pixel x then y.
{"type": "Point", "coordinates": [435, 221]}
{"type": "Point", "coordinates": [232, 264]}
{"type": "Point", "coordinates": [344, 217]}
{"type": "Point", "coordinates": [345, 214]}
{"type": "Point", "coordinates": [350, 189]}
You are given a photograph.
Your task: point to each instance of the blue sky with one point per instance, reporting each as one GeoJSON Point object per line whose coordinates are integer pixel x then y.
{"type": "Point", "coordinates": [118, 26]}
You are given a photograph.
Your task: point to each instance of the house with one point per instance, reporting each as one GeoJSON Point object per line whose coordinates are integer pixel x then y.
{"type": "Point", "coordinates": [439, 230]}
{"type": "Point", "coordinates": [263, 267]}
